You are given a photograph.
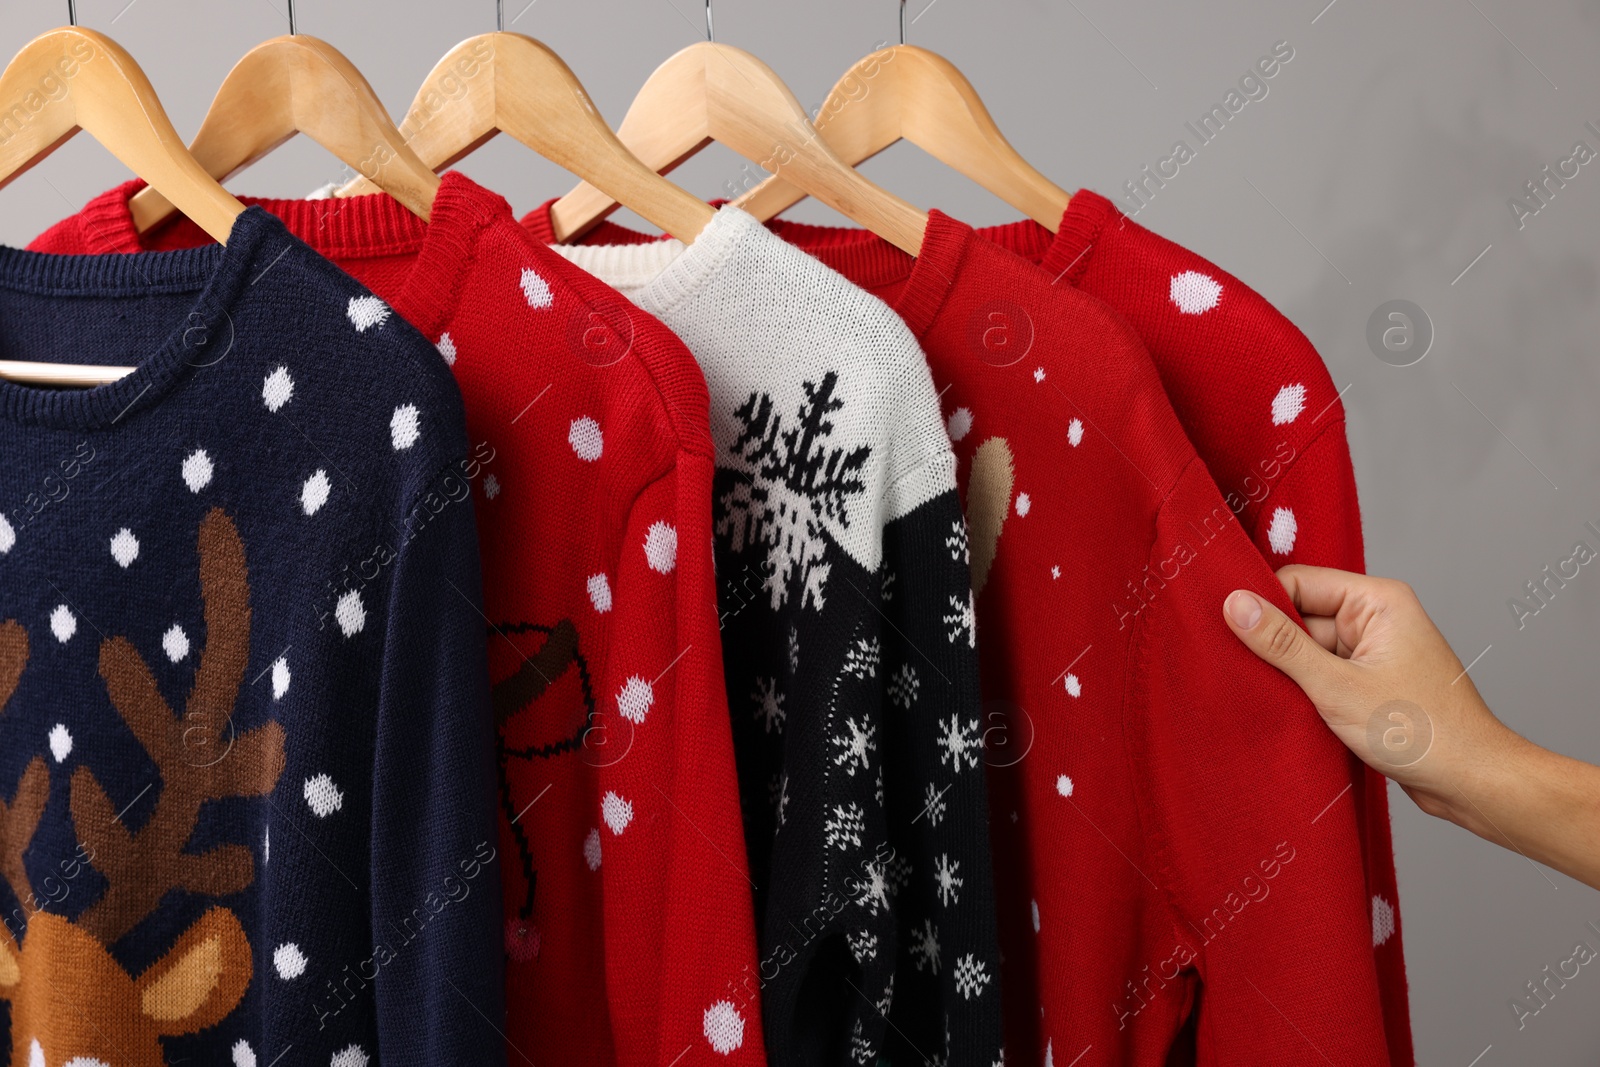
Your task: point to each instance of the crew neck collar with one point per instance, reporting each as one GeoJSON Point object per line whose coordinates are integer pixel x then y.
{"type": "Point", "coordinates": [357, 227]}
{"type": "Point", "coordinates": [217, 274]}
{"type": "Point", "coordinates": [658, 275]}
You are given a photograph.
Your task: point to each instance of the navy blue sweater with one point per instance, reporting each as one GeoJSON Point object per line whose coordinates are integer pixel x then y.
{"type": "Point", "coordinates": [246, 777]}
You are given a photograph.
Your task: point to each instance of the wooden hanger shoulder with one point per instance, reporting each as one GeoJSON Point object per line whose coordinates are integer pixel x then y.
{"type": "Point", "coordinates": [299, 84]}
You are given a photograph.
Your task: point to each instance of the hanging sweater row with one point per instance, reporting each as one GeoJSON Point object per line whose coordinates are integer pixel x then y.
{"type": "Point", "coordinates": [456, 642]}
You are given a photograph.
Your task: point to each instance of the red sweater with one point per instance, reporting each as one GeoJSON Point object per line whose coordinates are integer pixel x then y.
{"type": "Point", "coordinates": [623, 859]}
{"type": "Point", "coordinates": [1171, 824]}
{"type": "Point", "coordinates": [1255, 400]}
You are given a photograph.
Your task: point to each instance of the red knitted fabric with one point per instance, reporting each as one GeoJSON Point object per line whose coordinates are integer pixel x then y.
{"type": "Point", "coordinates": [622, 851]}
{"type": "Point", "coordinates": [1256, 402]}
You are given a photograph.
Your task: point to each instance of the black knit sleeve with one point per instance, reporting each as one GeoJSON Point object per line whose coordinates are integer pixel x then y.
{"type": "Point", "coordinates": [946, 995]}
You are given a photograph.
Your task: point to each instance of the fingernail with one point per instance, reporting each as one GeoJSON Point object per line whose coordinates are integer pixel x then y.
{"type": "Point", "coordinates": [1244, 609]}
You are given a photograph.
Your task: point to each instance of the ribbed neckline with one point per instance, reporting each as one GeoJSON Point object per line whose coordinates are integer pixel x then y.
{"type": "Point", "coordinates": [934, 272]}
{"type": "Point", "coordinates": [659, 274]}
{"type": "Point", "coordinates": [217, 274]}
{"type": "Point", "coordinates": [357, 227]}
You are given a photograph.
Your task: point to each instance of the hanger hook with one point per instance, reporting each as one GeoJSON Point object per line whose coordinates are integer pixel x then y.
{"type": "Point", "coordinates": [500, 15]}
{"type": "Point", "coordinates": [710, 31]}
{"type": "Point", "coordinates": [291, 18]}
{"type": "Point", "coordinates": [902, 21]}
{"type": "Point", "coordinates": [72, 13]}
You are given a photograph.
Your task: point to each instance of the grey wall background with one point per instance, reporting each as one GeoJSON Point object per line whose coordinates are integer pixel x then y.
{"type": "Point", "coordinates": [1377, 167]}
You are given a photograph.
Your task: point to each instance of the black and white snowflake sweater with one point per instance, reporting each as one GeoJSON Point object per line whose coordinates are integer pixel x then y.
{"type": "Point", "coordinates": [849, 650]}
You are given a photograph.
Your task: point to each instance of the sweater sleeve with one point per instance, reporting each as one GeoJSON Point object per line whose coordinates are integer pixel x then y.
{"type": "Point", "coordinates": [946, 984]}
{"type": "Point", "coordinates": [679, 924]}
{"type": "Point", "coordinates": [435, 883]}
{"type": "Point", "coordinates": [1243, 793]}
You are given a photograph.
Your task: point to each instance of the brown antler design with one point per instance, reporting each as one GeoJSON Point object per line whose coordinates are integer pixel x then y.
{"type": "Point", "coordinates": [200, 756]}
{"type": "Point", "coordinates": [20, 818]}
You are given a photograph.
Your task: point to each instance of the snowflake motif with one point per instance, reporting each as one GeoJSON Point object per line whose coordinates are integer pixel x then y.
{"type": "Point", "coordinates": [791, 484]}
{"type": "Point", "coordinates": [897, 873]}
{"type": "Point", "coordinates": [877, 788]}
{"type": "Point", "coordinates": [888, 586]}
{"type": "Point", "coordinates": [956, 542]}
{"type": "Point", "coordinates": [845, 827]}
{"type": "Point", "coordinates": [863, 946]}
{"type": "Point", "coordinates": [854, 750]}
{"type": "Point", "coordinates": [860, 1048]}
{"type": "Point", "coordinates": [946, 880]}
{"type": "Point", "coordinates": [794, 650]}
{"type": "Point", "coordinates": [862, 660]}
{"type": "Point", "coordinates": [903, 686]}
{"type": "Point", "coordinates": [925, 947]}
{"type": "Point", "coordinates": [958, 743]}
{"type": "Point", "coordinates": [769, 704]}
{"type": "Point", "coordinates": [960, 619]}
{"type": "Point", "coordinates": [886, 1001]}
{"type": "Point", "coordinates": [875, 892]}
{"type": "Point", "coordinates": [934, 804]}
{"type": "Point", "coordinates": [972, 977]}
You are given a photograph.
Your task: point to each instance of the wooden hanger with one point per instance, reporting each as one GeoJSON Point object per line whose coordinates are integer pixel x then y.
{"type": "Point", "coordinates": [711, 92]}
{"type": "Point", "coordinates": [510, 83]}
{"type": "Point", "coordinates": [908, 93]}
{"type": "Point", "coordinates": [74, 79]}
{"type": "Point", "coordinates": [299, 84]}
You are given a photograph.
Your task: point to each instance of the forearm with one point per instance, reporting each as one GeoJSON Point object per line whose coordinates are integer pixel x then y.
{"type": "Point", "coordinates": [1540, 803]}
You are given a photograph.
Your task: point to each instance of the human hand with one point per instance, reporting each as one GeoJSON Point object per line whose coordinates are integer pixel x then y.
{"type": "Point", "coordinates": [1387, 683]}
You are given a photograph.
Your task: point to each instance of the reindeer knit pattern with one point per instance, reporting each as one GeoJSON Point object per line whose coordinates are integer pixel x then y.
{"type": "Point", "coordinates": [246, 755]}
{"type": "Point", "coordinates": [848, 639]}
{"type": "Point", "coordinates": [628, 933]}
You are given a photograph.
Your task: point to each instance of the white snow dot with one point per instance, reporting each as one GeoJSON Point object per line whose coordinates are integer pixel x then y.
{"type": "Point", "coordinates": [35, 1054]}
{"type": "Point", "coordinates": [491, 487]}
{"type": "Point", "coordinates": [724, 1027]}
{"type": "Point", "coordinates": [323, 796]}
{"type": "Point", "coordinates": [124, 548]}
{"type": "Point", "coordinates": [1281, 531]}
{"type": "Point", "coordinates": [1055, 572]}
{"type": "Point", "coordinates": [661, 547]}
{"type": "Point", "coordinates": [266, 846]}
{"type": "Point", "coordinates": [351, 1056]}
{"type": "Point", "coordinates": [243, 1054]}
{"type": "Point", "coordinates": [60, 741]}
{"type": "Point", "coordinates": [366, 312]}
{"type": "Point", "coordinates": [959, 424]}
{"type": "Point", "coordinates": [1038, 374]}
{"type": "Point", "coordinates": [277, 389]}
{"type": "Point", "coordinates": [350, 613]}
{"type": "Point", "coordinates": [585, 438]}
{"type": "Point", "coordinates": [1074, 686]}
{"type": "Point", "coordinates": [600, 593]}
{"type": "Point", "coordinates": [1064, 786]}
{"type": "Point", "coordinates": [63, 623]}
{"type": "Point", "coordinates": [289, 960]}
{"type": "Point", "coordinates": [1288, 404]}
{"type": "Point", "coordinates": [618, 813]}
{"type": "Point", "coordinates": [1024, 503]}
{"type": "Point", "coordinates": [280, 677]}
{"type": "Point", "coordinates": [1194, 292]}
{"type": "Point", "coordinates": [314, 493]}
{"type": "Point", "coordinates": [1075, 433]}
{"type": "Point", "coordinates": [197, 470]}
{"type": "Point", "coordinates": [1049, 1056]}
{"type": "Point", "coordinates": [404, 427]}
{"type": "Point", "coordinates": [535, 288]}
{"type": "Point", "coordinates": [591, 850]}
{"type": "Point", "coordinates": [1382, 921]}
{"type": "Point", "coordinates": [175, 643]}
{"type": "Point", "coordinates": [447, 348]}
{"type": "Point", "coordinates": [635, 699]}
{"type": "Point", "coordinates": [1035, 916]}
{"type": "Point", "coordinates": [8, 536]}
